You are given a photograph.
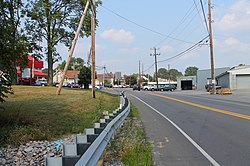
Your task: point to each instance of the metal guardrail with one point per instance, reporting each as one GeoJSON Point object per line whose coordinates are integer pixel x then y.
{"type": "Point", "coordinates": [89, 146]}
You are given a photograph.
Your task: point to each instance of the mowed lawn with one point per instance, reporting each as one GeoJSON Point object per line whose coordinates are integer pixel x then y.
{"type": "Point", "coordinates": [37, 113]}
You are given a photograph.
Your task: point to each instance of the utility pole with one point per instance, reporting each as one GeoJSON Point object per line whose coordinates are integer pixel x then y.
{"type": "Point", "coordinates": [169, 74]}
{"type": "Point", "coordinates": [211, 47]}
{"type": "Point", "coordinates": [142, 71]}
{"type": "Point", "coordinates": [93, 46]}
{"type": "Point", "coordinates": [72, 48]}
{"type": "Point", "coordinates": [104, 68]}
{"type": "Point", "coordinates": [156, 77]}
{"type": "Point", "coordinates": [139, 80]}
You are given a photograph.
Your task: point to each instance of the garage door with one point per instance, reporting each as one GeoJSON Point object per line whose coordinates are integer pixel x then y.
{"type": "Point", "coordinates": [186, 85]}
{"type": "Point", "coordinates": [243, 81]}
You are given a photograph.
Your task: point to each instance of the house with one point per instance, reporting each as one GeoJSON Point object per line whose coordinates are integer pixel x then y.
{"type": "Point", "coordinates": [70, 77]}
{"type": "Point", "coordinates": [236, 78]}
{"type": "Point", "coordinates": [105, 78]}
{"type": "Point", "coordinates": [33, 69]}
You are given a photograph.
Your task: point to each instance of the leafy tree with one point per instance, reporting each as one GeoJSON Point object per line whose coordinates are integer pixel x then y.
{"type": "Point", "coordinates": [75, 64]}
{"type": "Point", "coordinates": [174, 73]}
{"type": "Point", "coordinates": [131, 80]}
{"type": "Point", "coordinates": [56, 21]}
{"type": "Point", "coordinates": [5, 86]}
{"type": "Point", "coordinates": [85, 77]}
{"type": "Point", "coordinates": [45, 70]}
{"type": "Point", "coordinates": [14, 45]}
{"type": "Point", "coordinates": [149, 76]}
{"type": "Point", "coordinates": [191, 71]}
{"type": "Point", "coordinates": [162, 73]}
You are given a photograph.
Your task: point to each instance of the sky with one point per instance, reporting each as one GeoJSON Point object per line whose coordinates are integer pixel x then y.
{"type": "Point", "coordinates": [129, 30]}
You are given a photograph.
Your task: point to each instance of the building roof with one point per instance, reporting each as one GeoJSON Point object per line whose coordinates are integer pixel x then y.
{"type": "Point", "coordinates": [240, 67]}
{"type": "Point", "coordinates": [106, 76]}
{"type": "Point", "coordinates": [236, 70]}
{"type": "Point", "coordinates": [72, 73]}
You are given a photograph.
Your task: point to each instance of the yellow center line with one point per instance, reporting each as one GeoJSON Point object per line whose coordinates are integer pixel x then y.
{"type": "Point", "coordinates": [247, 117]}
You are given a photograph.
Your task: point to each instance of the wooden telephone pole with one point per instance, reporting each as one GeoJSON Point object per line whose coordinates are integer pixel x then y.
{"type": "Point", "coordinates": [169, 76]}
{"type": "Point", "coordinates": [139, 79]}
{"type": "Point", "coordinates": [72, 48]}
{"type": "Point", "coordinates": [93, 46]}
{"type": "Point", "coordinates": [155, 55]}
{"type": "Point", "coordinates": [211, 47]}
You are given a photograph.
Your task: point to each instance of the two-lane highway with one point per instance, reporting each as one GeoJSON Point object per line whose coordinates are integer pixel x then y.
{"type": "Point", "coordinates": [195, 130]}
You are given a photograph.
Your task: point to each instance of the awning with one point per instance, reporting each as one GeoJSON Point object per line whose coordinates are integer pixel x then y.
{"type": "Point", "coordinates": [38, 73]}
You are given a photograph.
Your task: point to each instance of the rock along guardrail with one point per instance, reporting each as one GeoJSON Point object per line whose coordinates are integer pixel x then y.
{"type": "Point", "coordinates": [88, 147]}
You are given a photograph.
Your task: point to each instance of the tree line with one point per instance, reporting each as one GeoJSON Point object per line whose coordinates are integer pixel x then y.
{"type": "Point", "coordinates": [25, 25]}
{"type": "Point", "coordinates": [163, 73]}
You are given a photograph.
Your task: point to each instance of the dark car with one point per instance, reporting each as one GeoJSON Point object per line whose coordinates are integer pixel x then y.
{"type": "Point", "coordinates": [136, 87]}
{"type": "Point", "coordinates": [108, 85]}
{"type": "Point", "coordinates": [168, 88]}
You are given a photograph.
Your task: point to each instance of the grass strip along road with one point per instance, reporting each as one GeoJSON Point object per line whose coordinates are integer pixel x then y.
{"type": "Point", "coordinates": [36, 113]}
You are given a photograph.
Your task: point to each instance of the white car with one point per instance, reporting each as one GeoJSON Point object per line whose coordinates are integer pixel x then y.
{"type": "Point", "coordinates": [150, 87]}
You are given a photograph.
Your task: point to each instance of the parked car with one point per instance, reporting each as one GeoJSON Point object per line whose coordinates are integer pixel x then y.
{"type": "Point", "coordinates": [99, 87]}
{"type": "Point", "coordinates": [136, 87]}
{"type": "Point", "coordinates": [168, 88]}
{"type": "Point", "coordinates": [26, 81]}
{"type": "Point", "coordinates": [108, 85]}
{"type": "Point", "coordinates": [150, 87]}
{"type": "Point", "coordinates": [41, 82]}
{"type": "Point", "coordinates": [73, 85]}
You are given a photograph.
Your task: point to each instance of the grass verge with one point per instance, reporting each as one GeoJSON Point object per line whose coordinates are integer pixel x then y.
{"type": "Point", "coordinates": [36, 113]}
{"type": "Point", "coordinates": [130, 144]}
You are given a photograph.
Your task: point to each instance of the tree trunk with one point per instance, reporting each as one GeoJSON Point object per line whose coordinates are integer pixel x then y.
{"type": "Point", "coordinates": [50, 67]}
{"type": "Point", "coordinates": [50, 58]}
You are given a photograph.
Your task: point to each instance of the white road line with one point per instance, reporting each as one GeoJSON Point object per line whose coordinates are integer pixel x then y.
{"type": "Point", "coordinates": [212, 161]}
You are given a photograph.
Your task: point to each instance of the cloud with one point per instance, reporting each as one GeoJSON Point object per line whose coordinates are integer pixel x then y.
{"type": "Point", "coordinates": [166, 49]}
{"type": "Point", "coordinates": [130, 50]}
{"type": "Point", "coordinates": [237, 18]}
{"type": "Point", "coordinates": [119, 36]}
{"type": "Point", "coordinates": [232, 44]}
{"type": "Point", "coordinates": [100, 47]}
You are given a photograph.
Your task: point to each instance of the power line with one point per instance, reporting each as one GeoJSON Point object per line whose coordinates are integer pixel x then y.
{"type": "Point", "coordinates": [198, 44]}
{"type": "Point", "coordinates": [203, 11]}
{"type": "Point", "coordinates": [193, 47]}
{"type": "Point", "coordinates": [190, 10]}
{"type": "Point", "coordinates": [199, 11]}
{"type": "Point", "coordinates": [146, 28]}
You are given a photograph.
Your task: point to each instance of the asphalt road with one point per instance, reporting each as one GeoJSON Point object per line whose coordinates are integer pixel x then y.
{"type": "Point", "coordinates": [195, 129]}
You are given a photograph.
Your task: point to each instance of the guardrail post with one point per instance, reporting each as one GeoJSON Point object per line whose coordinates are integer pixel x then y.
{"type": "Point", "coordinates": [89, 146]}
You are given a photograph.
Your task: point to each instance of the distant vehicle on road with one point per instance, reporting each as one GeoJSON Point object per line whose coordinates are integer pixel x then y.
{"type": "Point", "coordinates": [41, 82]}
{"type": "Point", "coordinates": [136, 87]}
{"type": "Point", "coordinates": [168, 88]}
{"type": "Point", "coordinates": [108, 85]}
{"type": "Point", "coordinates": [150, 87]}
